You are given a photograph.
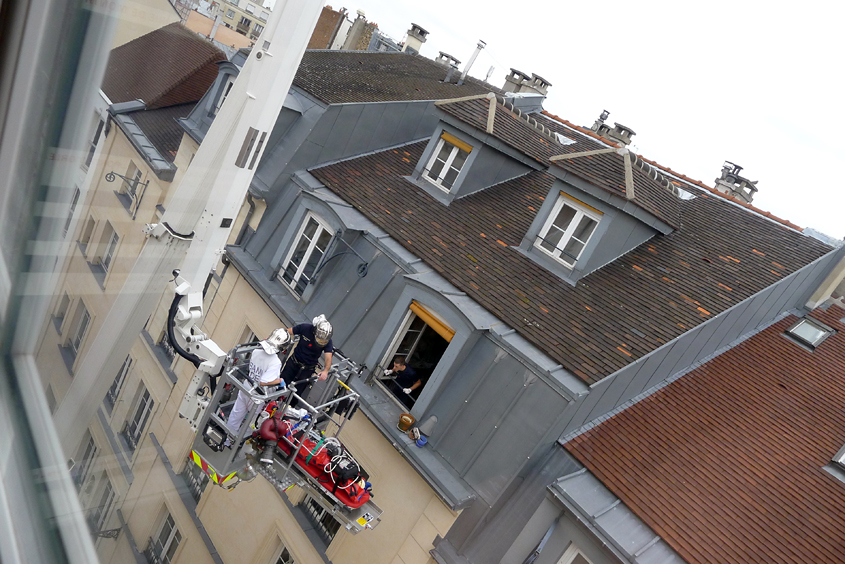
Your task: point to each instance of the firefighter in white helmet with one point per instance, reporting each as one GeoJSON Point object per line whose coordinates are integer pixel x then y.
{"type": "Point", "coordinates": [264, 369]}
{"type": "Point", "coordinates": [315, 339]}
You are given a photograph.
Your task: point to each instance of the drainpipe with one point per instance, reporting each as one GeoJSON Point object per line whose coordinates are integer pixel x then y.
{"type": "Point", "coordinates": [481, 45]}
{"type": "Point", "coordinates": [249, 213]}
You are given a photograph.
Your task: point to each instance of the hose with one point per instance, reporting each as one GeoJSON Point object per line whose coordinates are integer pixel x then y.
{"type": "Point", "coordinates": [171, 316]}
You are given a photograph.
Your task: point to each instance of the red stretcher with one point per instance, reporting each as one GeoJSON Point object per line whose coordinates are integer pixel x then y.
{"type": "Point", "coordinates": [329, 472]}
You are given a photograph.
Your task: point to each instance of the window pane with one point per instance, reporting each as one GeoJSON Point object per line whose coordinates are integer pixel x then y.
{"type": "Point", "coordinates": [809, 332]}
{"type": "Point", "coordinates": [572, 250]}
{"type": "Point", "coordinates": [564, 217]}
{"type": "Point", "coordinates": [166, 529]}
{"type": "Point", "coordinates": [459, 160]}
{"type": "Point", "coordinates": [311, 228]}
{"type": "Point", "coordinates": [174, 544]}
{"type": "Point", "coordinates": [552, 238]}
{"type": "Point", "coordinates": [584, 229]}
{"type": "Point", "coordinates": [437, 165]}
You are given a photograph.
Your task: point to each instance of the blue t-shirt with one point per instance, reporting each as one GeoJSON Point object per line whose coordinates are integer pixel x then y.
{"type": "Point", "coordinates": [406, 378]}
{"type": "Point", "coordinates": [307, 350]}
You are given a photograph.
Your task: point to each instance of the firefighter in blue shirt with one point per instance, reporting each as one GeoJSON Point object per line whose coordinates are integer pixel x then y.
{"type": "Point", "coordinates": [315, 338]}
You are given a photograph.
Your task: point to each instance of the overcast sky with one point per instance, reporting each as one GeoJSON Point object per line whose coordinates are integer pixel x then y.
{"type": "Point", "coordinates": [759, 84]}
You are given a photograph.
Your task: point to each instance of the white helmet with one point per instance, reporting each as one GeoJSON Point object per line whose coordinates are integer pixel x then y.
{"type": "Point", "coordinates": [322, 329]}
{"type": "Point", "coordinates": [277, 339]}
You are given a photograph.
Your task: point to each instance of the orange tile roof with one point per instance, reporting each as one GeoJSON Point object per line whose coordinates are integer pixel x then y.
{"type": "Point", "coordinates": [726, 463]}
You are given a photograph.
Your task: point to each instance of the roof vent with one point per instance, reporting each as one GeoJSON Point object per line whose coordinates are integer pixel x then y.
{"type": "Point", "coordinates": [618, 133]}
{"type": "Point", "coordinates": [447, 60]}
{"type": "Point", "coordinates": [416, 37]}
{"type": "Point", "coordinates": [732, 184]}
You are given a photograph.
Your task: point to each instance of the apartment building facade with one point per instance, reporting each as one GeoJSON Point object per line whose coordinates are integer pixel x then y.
{"type": "Point", "coordinates": [244, 16]}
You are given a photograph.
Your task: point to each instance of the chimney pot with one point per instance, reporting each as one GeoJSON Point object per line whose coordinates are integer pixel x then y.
{"type": "Point", "coordinates": [732, 184]}
{"type": "Point", "coordinates": [417, 35]}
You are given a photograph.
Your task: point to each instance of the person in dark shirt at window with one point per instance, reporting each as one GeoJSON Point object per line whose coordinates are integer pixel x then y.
{"type": "Point", "coordinates": [404, 382]}
{"type": "Point", "coordinates": [314, 339]}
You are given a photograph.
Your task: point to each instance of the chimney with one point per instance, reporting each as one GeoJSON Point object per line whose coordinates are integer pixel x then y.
{"type": "Point", "coordinates": [619, 133]}
{"type": "Point", "coordinates": [450, 74]}
{"type": "Point", "coordinates": [732, 184]}
{"type": "Point", "coordinates": [355, 33]}
{"type": "Point", "coordinates": [447, 60]}
{"type": "Point", "coordinates": [481, 45]}
{"type": "Point", "coordinates": [216, 25]}
{"type": "Point", "coordinates": [518, 81]}
{"type": "Point", "coordinates": [416, 37]}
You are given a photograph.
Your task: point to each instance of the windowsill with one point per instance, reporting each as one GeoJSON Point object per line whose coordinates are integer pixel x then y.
{"type": "Point", "coordinates": [435, 190]}
{"type": "Point", "coordinates": [547, 262]}
{"type": "Point", "coordinates": [384, 413]}
{"type": "Point", "coordinates": [99, 274]}
{"type": "Point", "coordinates": [163, 360]}
{"type": "Point", "coordinates": [57, 323]}
{"type": "Point", "coordinates": [69, 357]}
{"type": "Point", "coordinates": [125, 200]}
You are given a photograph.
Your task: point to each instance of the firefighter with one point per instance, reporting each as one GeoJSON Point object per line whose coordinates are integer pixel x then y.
{"type": "Point", "coordinates": [264, 368]}
{"type": "Point", "coordinates": [315, 338]}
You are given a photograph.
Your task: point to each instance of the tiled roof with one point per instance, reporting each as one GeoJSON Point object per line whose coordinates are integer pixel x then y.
{"type": "Point", "coordinates": [612, 317]}
{"type": "Point", "coordinates": [725, 463]}
{"type": "Point", "coordinates": [166, 67]}
{"type": "Point", "coordinates": [605, 170]}
{"type": "Point", "coordinates": [162, 129]}
{"type": "Point", "coordinates": [338, 77]}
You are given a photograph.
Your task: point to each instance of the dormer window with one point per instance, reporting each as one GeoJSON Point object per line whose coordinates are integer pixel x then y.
{"type": "Point", "coordinates": [809, 332]}
{"type": "Point", "coordinates": [446, 162]}
{"type": "Point", "coordinates": [568, 229]}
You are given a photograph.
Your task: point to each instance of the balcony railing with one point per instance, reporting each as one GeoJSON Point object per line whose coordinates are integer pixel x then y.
{"type": "Point", "coordinates": [153, 552]}
{"type": "Point", "coordinates": [129, 437]}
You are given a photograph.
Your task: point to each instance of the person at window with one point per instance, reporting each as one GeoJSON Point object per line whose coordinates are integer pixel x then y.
{"type": "Point", "coordinates": [404, 382]}
{"type": "Point", "coordinates": [315, 338]}
{"type": "Point", "coordinates": [264, 369]}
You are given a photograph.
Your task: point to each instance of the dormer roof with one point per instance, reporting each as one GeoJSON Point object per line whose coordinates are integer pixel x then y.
{"type": "Point", "coordinates": [532, 135]}
{"type": "Point", "coordinates": [611, 317]}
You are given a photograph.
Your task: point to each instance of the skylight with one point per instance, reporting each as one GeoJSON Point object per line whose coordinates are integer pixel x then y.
{"type": "Point", "coordinates": [809, 332]}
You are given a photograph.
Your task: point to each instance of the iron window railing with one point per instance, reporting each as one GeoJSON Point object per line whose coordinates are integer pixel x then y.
{"type": "Point", "coordinates": [325, 525]}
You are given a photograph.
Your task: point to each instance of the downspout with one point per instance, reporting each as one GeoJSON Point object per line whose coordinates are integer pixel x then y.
{"type": "Point", "coordinates": [249, 213]}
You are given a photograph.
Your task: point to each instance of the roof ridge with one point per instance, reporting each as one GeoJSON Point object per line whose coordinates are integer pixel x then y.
{"type": "Point", "coordinates": [208, 59]}
{"type": "Point", "coordinates": [683, 177]}
{"type": "Point", "coordinates": [542, 129]}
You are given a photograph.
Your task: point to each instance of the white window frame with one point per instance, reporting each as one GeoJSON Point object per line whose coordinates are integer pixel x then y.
{"type": "Point", "coordinates": [111, 247]}
{"type": "Point", "coordinates": [321, 226]}
{"type": "Point", "coordinates": [73, 202]}
{"type": "Point", "coordinates": [827, 332]}
{"type": "Point", "coordinates": [81, 329]}
{"type": "Point", "coordinates": [117, 385]}
{"type": "Point", "coordinates": [161, 549]}
{"type": "Point", "coordinates": [571, 553]}
{"type": "Point", "coordinates": [447, 166]}
{"type": "Point", "coordinates": [136, 424]}
{"type": "Point", "coordinates": [230, 14]}
{"type": "Point", "coordinates": [277, 559]}
{"type": "Point", "coordinates": [86, 461]}
{"type": "Point", "coordinates": [99, 514]}
{"type": "Point", "coordinates": [581, 211]}
{"type": "Point", "coordinates": [92, 144]}
{"type": "Point", "coordinates": [130, 187]}
{"type": "Point", "coordinates": [227, 87]}
{"type": "Point", "coordinates": [87, 234]}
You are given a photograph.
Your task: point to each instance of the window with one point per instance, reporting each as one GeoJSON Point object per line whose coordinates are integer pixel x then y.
{"type": "Point", "coordinates": [117, 385]}
{"type": "Point", "coordinates": [284, 556]}
{"type": "Point", "coordinates": [195, 479]}
{"type": "Point", "coordinates": [421, 340]}
{"type": "Point", "coordinates": [248, 336]}
{"type": "Point", "coordinates": [257, 29]}
{"type": "Point", "coordinates": [310, 244]}
{"type": "Point", "coordinates": [325, 525]}
{"type": "Point", "coordinates": [230, 14]}
{"type": "Point", "coordinates": [99, 514]}
{"type": "Point", "coordinates": [447, 160]}
{"type": "Point", "coordinates": [86, 458]}
{"type": "Point", "coordinates": [81, 328]}
{"type": "Point", "coordinates": [250, 9]}
{"type": "Point", "coordinates": [245, 21]}
{"type": "Point", "coordinates": [227, 87]}
{"type": "Point", "coordinates": [134, 428]}
{"type": "Point", "coordinates": [111, 245]}
{"type": "Point", "coordinates": [133, 177]}
{"type": "Point", "coordinates": [809, 332]}
{"type": "Point", "coordinates": [163, 545]}
{"type": "Point", "coordinates": [93, 144]}
{"type": "Point", "coordinates": [87, 232]}
{"type": "Point", "coordinates": [568, 229]}
{"type": "Point", "coordinates": [573, 556]}
{"type": "Point", "coordinates": [61, 311]}
{"type": "Point", "coordinates": [264, 16]}
{"type": "Point", "coordinates": [73, 201]}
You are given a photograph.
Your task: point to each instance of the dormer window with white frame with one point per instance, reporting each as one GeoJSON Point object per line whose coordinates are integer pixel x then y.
{"type": "Point", "coordinates": [809, 332]}
{"type": "Point", "coordinates": [227, 87]}
{"type": "Point", "coordinates": [447, 160]}
{"type": "Point", "coordinates": [568, 229]}
{"type": "Point", "coordinates": [305, 254]}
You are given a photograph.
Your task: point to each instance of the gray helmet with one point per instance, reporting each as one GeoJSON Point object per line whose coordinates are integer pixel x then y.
{"type": "Point", "coordinates": [277, 339]}
{"type": "Point", "coordinates": [322, 329]}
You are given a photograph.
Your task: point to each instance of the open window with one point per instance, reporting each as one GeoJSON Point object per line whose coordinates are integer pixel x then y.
{"type": "Point", "coordinates": [92, 144]}
{"type": "Point", "coordinates": [87, 233]}
{"type": "Point", "coordinates": [133, 429]}
{"type": "Point", "coordinates": [305, 254]}
{"type": "Point", "coordinates": [99, 514]}
{"type": "Point", "coordinates": [446, 162]}
{"type": "Point", "coordinates": [568, 229]}
{"type": "Point", "coordinates": [61, 312]}
{"type": "Point", "coordinates": [110, 240]}
{"type": "Point", "coordinates": [227, 87]}
{"type": "Point", "coordinates": [79, 328]}
{"type": "Point", "coordinates": [421, 341]}
{"type": "Point", "coordinates": [73, 201]}
{"type": "Point", "coordinates": [85, 458]}
{"type": "Point", "coordinates": [809, 332]}
{"type": "Point", "coordinates": [117, 385]}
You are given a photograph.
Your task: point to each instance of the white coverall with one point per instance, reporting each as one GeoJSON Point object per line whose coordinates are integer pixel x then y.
{"type": "Point", "coordinates": [263, 367]}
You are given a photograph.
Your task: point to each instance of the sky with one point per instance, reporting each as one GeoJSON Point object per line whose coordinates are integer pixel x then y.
{"type": "Point", "coordinates": [758, 84]}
